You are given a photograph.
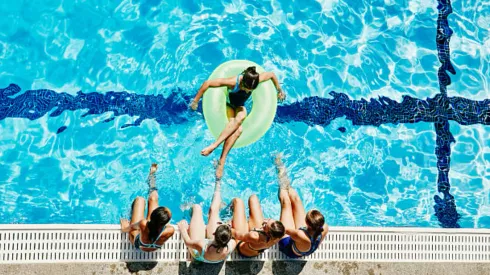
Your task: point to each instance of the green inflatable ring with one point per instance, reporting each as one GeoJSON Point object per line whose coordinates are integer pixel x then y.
{"type": "Point", "coordinates": [264, 106]}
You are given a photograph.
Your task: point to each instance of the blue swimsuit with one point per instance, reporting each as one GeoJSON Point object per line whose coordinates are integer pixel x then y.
{"type": "Point", "coordinates": [200, 256]}
{"type": "Point", "coordinates": [138, 243]}
{"type": "Point", "coordinates": [288, 247]}
{"type": "Point", "coordinates": [238, 97]}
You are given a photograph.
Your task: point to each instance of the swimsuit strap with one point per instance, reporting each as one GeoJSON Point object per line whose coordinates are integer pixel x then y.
{"type": "Point", "coordinates": [153, 244]}
{"type": "Point", "coordinates": [313, 243]}
{"type": "Point", "coordinates": [201, 258]}
{"type": "Point", "coordinates": [261, 231]}
{"type": "Point", "coordinates": [237, 85]}
{"type": "Point", "coordinates": [205, 247]}
{"type": "Point", "coordinates": [159, 235]}
{"type": "Point", "coordinates": [304, 229]}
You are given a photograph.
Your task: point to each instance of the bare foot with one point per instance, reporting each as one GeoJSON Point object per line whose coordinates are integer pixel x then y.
{"type": "Point", "coordinates": [284, 182]}
{"type": "Point", "coordinates": [153, 168]}
{"type": "Point", "coordinates": [278, 161]}
{"type": "Point", "coordinates": [219, 171]}
{"type": "Point", "coordinates": [208, 150]}
{"type": "Point", "coordinates": [151, 178]}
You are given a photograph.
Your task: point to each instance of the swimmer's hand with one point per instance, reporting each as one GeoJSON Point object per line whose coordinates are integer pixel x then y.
{"type": "Point", "coordinates": [281, 95]}
{"type": "Point", "coordinates": [183, 226]}
{"type": "Point", "coordinates": [193, 105]}
{"type": "Point", "coordinates": [125, 227]}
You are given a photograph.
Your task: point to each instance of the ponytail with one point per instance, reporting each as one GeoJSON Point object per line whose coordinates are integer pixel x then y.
{"type": "Point", "coordinates": [158, 219]}
{"type": "Point", "coordinates": [318, 232]}
{"type": "Point", "coordinates": [250, 78]}
{"type": "Point", "coordinates": [222, 236]}
{"type": "Point", "coordinates": [316, 221]}
{"type": "Point", "coordinates": [153, 228]}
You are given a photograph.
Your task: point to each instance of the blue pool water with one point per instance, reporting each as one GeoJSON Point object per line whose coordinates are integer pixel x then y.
{"type": "Point", "coordinates": [375, 153]}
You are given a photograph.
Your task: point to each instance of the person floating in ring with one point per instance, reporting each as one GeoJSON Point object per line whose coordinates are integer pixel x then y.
{"type": "Point", "coordinates": [239, 89]}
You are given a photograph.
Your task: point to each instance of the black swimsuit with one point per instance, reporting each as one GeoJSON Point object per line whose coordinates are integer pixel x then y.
{"type": "Point", "coordinates": [237, 97]}
{"type": "Point", "coordinates": [267, 239]}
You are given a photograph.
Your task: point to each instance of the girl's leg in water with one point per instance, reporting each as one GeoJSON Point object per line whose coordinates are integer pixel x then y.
{"type": "Point", "coordinates": [234, 123]}
{"type": "Point", "coordinates": [241, 114]}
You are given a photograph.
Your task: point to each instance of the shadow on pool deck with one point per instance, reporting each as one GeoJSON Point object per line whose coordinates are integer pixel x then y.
{"type": "Point", "coordinates": [251, 267]}
{"type": "Point", "coordinates": [141, 266]}
{"type": "Point", "coordinates": [241, 267]}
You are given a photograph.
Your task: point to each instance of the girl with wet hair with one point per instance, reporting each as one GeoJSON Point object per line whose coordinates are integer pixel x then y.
{"type": "Point", "coordinates": [256, 235]}
{"type": "Point", "coordinates": [304, 231]}
{"type": "Point", "coordinates": [211, 243]}
{"type": "Point", "coordinates": [240, 89]}
{"type": "Point", "coordinates": [148, 234]}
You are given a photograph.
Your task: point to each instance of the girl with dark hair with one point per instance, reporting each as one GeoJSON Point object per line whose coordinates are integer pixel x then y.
{"type": "Point", "coordinates": [148, 234]}
{"type": "Point", "coordinates": [240, 89]}
{"type": "Point", "coordinates": [304, 231]}
{"type": "Point", "coordinates": [258, 234]}
{"type": "Point", "coordinates": [212, 243]}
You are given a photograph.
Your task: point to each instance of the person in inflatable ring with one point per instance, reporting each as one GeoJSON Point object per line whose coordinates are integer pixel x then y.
{"type": "Point", "coordinates": [240, 89]}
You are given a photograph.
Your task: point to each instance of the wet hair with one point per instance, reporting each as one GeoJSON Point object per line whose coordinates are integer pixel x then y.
{"type": "Point", "coordinates": [277, 230]}
{"type": "Point", "coordinates": [250, 78]}
{"type": "Point", "coordinates": [222, 236]}
{"type": "Point", "coordinates": [158, 219]}
{"type": "Point", "coordinates": [316, 221]}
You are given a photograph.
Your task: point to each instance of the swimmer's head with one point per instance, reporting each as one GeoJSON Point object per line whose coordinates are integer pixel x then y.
{"type": "Point", "coordinates": [222, 236]}
{"type": "Point", "coordinates": [250, 79]}
{"type": "Point", "coordinates": [158, 219]}
{"type": "Point", "coordinates": [315, 221]}
{"type": "Point", "coordinates": [276, 229]}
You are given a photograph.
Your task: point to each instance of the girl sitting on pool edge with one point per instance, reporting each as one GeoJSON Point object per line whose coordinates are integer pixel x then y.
{"type": "Point", "coordinates": [148, 234]}
{"type": "Point", "coordinates": [240, 89]}
{"type": "Point", "coordinates": [305, 231]}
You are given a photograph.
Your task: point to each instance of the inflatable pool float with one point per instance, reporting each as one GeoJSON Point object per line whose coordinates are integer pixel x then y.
{"type": "Point", "coordinates": [264, 105]}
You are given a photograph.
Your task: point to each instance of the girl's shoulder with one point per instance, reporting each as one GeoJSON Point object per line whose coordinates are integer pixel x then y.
{"type": "Point", "coordinates": [230, 81]}
{"type": "Point", "coordinates": [169, 230]}
{"type": "Point", "coordinates": [143, 224]}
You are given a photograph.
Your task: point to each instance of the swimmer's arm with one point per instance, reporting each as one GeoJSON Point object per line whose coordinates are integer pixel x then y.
{"type": "Point", "coordinates": [249, 237]}
{"type": "Point", "coordinates": [325, 230]}
{"type": "Point", "coordinates": [295, 234]}
{"type": "Point", "coordinates": [126, 228]}
{"type": "Point", "coordinates": [270, 75]}
{"type": "Point", "coordinates": [192, 244]}
{"type": "Point", "coordinates": [219, 82]}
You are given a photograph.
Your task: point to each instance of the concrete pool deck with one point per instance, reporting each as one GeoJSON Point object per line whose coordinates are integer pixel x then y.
{"type": "Point", "coordinates": [251, 267]}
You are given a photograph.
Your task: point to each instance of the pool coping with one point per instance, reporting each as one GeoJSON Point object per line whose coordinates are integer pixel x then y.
{"type": "Point", "coordinates": [331, 228]}
{"type": "Point", "coordinates": [79, 243]}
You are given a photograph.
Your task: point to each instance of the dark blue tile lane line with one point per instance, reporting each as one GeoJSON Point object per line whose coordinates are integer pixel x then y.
{"type": "Point", "coordinates": [445, 207]}
{"type": "Point", "coordinates": [443, 37]}
{"type": "Point", "coordinates": [440, 109]}
{"type": "Point", "coordinates": [375, 112]}
{"type": "Point", "coordinates": [33, 104]}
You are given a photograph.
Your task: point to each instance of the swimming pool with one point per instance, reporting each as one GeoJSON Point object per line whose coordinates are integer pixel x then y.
{"type": "Point", "coordinates": [72, 168]}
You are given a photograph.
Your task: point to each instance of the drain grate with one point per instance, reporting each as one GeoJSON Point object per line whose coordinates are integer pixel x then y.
{"type": "Point", "coordinates": [105, 243]}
